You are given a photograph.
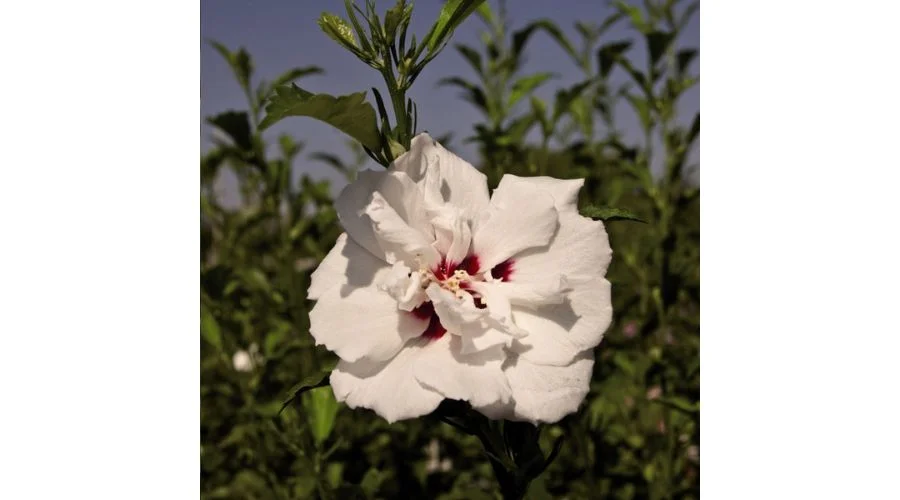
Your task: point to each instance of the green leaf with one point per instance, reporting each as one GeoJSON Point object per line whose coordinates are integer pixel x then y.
{"type": "Point", "coordinates": [314, 380]}
{"type": "Point", "coordinates": [526, 85]}
{"type": "Point", "coordinates": [338, 30]}
{"type": "Point", "coordinates": [657, 43]}
{"type": "Point", "coordinates": [633, 12]}
{"type": "Point", "coordinates": [240, 62]}
{"type": "Point", "coordinates": [685, 57]}
{"type": "Point", "coordinates": [289, 147]}
{"type": "Point", "coordinates": [565, 97]}
{"type": "Point", "coordinates": [473, 93]}
{"type": "Point", "coordinates": [472, 56]}
{"type": "Point", "coordinates": [520, 38]}
{"type": "Point", "coordinates": [321, 409]}
{"type": "Point", "coordinates": [608, 54]}
{"type": "Point", "coordinates": [209, 328]}
{"type": "Point", "coordinates": [607, 214]}
{"type": "Point", "coordinates": [539, 110]}
{"type": "Point", "coordinates": [295, 73]}
{"type": "Point", "coordinates": [680, 404]}
{"type": "Point", "coordinates": [396, 16]}
{"type": "Point", "coordinates": [350, 114]}
{"type": "Point", "coordinates": [583, 113]}
{"type": "Point", "coordinates": [642, 108]}
{"type": "Point", "coordinates": [237, 125]}
{"type": "Point", "coordinates": [453, 13]}
{"type": "Point", "coordinates": [694, 131]}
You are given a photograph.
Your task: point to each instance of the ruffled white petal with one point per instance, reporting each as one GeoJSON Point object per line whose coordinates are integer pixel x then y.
{"type": "Point", "coordinates": [389, 388]}
{"type": "Point", "coordinates": [454, 180]}
{"type": "Point", "coordinates": [520, 217]}
{"type": "Point", "coordinates": [544, 394]}
{"type": "Point", "coordinates": [405, 286]}
{"type": "Point", "coordinates": [563, 191]}
{"type": "Point", "coordinates": [397, 191]}
{"type": "Point", "coordinates": [362, 322]}
{"type": "Point", "coordinates": [397, 239]}
{"type": "Point", "coordinates": [579, 250]}
{"type": "Point", "coordinates": [477, 378]}
{"type": "Point", "coordinates": [346, 264]}
{"type": "Point", "coordinates": [557, 333]}
{"type": "Point", "coordinates": [552, 290]}
{"type": "Point", "coordinates": [478, 329]}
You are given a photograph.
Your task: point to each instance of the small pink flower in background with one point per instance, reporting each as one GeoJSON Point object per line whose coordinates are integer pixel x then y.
{"type": "Point", "coordinates": [654, 392]}
{"type": "Point", "coordinates": [439, 291]}
{"type": "Point", "coordinates": [630, 329]}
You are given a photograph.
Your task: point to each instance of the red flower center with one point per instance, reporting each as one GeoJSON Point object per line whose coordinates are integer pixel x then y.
{"type": "Point", "coordinates": [445, 270]}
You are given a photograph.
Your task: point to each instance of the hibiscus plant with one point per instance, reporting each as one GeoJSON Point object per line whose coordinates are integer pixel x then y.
{"type": "Point", "coordinates": [442, 301]}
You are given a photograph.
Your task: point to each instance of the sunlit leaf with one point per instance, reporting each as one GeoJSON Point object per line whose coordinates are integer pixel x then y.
{"type": "Point", "coordinates": [350, 114]}
{"type": "Point", "coordinates": [452, 14]}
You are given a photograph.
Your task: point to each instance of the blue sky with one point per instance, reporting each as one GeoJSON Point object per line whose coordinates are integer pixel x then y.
{"type": "Point", "coordinates": [281, 34]}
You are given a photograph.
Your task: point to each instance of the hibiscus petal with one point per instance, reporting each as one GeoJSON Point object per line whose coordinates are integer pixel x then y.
{"type": "Point", "coordinates": [458, 182]}
{"type": "Point", "coordinates": [389, 388]}
{"type": "Point", "coordinates": [461, 318]}
{"type": "Point", "coordinates": [557, 333]}
{"type": "Point", "coordinates": [563, 191]}
{"type": "Point", "coordinates": [545, 393]}
{"type": "Point", "coordinates": [477, 378]}
{"type": "Point", "coordinates": [398, 240]}
{"type": "Point", "coordinates": [397, 190]}
{"type": "Point", "coordinates": [552, 290]}
{"type": "Point", "coordinates": [346, 263]}
{"type": "Point", "coordinates": [520, 217]}
{"type": "Point", "coordinates": [579, 250]}
{"type": "Point", "coordinates": [357, 322]}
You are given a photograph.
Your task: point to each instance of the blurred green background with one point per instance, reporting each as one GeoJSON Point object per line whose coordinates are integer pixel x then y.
{"type": "Point", "coordinates": [267, 220]}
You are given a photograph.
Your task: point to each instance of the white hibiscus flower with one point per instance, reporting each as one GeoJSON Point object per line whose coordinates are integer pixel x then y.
{"type": "Point", "coordinates": [437, 290]}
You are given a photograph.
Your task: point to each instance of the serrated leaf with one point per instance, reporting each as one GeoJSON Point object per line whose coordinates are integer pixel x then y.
{"type": "Point", "coordinates": [237, 125]}
{"type": "Point", "coordinates": [607, 214]}
{"type": "Point", "coordinates": [608, 54]}
{"type": "Point", "coordinates": [452, 14]}
{"type": "Point", "coordinates": [526, 85]}
{"type": "Point", "coordinates": [657, 43]}
{"type": "Point", "coordinates": [209, 328]}
{"type": "Point", "coordinates": [520, 38]}
{"type": "Point", "coordinates": [350, 114]}
{"type": "Point", "coordinates": [240, 62]}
